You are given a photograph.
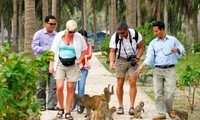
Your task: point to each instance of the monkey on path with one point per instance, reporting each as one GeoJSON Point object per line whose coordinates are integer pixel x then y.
{"type": "Point", "coordinates": [90, 103]}
{"type": "Point", "coordinates": [179, 115]}
{"type": "Point", "coordinates": [100, 112]}
{"type": "Point", "coordinates": [138, 110]}
{"type": "Point", "coordinates": [109, 112]}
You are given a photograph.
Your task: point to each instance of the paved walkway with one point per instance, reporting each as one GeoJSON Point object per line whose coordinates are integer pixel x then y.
{"type": "Point", "coordinates": [98, 78]}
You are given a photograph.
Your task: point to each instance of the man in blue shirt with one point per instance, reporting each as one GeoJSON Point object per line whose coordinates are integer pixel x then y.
{"type": "Point", "coordinates": [42, 41]}
{"type": "Point", "coordinates": [163, 52]}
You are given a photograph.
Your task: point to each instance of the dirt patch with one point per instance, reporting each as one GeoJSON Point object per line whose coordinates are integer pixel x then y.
{"type": "Point", "coordinates": [180, 102]}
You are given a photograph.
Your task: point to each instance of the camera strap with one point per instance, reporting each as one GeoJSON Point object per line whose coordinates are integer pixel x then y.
{"type": "Point", "coordinates": [130, 39]}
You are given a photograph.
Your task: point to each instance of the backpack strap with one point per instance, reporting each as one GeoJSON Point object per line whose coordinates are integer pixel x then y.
{"type": "Point", "coordinates": [116, 41]}
{"type": "Point", "coordinates": [136, 36]}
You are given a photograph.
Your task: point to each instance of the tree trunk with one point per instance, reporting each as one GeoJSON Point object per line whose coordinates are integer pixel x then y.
{"type": "Point", "coordinates": [131, 13]}
{"type": "Point", "coordinates": [95, 24]}
{"type": "Point", "coordinates": [21, 40]}
{"type": "Point", "coordinates": [2, 31]}
{"type": "Point", "coordinates": [45, 12]}
{"type": "Point", "coordinates": [14, 27]}
{"type": "Point", "coordinates": [139, 16]}
{"type": "Point", "coordinates": [199, 26]}
{"type": "Point", "coordinates": [84, 14]}
{"type": "Point", "coordinates": [54, 13]}
{"type": "Point", "coordinates": [166, 14]}
{"type": "Point", "coordinates": [194, 27]}
{"type": "Point", "coordinates": [158, 11]}
{"type": "Point", "coordinates": [30, 24]}
{"type": "Point", "coordinates": [113, 17]}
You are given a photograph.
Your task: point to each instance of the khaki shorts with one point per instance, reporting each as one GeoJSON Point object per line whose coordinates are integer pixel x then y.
{"type": "Point", "coordinates": [123, 66]}
{"type": "Point", "coordinates": [70, 73]}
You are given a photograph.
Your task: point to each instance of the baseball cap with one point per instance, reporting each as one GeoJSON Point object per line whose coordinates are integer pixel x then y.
{"type": "Point", "coordinates": [71, 25]}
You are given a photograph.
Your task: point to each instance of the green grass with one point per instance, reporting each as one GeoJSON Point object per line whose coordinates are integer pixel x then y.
{"type": "Point", "coordinates": [150, 94]}
{"type": "Point", "coordinates": [103, 60]}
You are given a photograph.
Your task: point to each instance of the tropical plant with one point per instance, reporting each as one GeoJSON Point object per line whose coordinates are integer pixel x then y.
{"type": "Point", "coordinates": [146, 31]}
{"type": "Point", "coordinates": [104, 46]}
{"type": "Point", "coordinates": [189, 77]}
{"type": "Point", "coordinates": [18, 83]}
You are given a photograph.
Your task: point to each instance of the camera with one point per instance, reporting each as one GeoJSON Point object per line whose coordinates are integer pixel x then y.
{"type": "Point", "coordinates": [132, 59]}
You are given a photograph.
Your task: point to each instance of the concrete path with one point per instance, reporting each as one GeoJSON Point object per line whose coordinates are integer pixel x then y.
{"type": "Point", "coordinates": [98, 78]}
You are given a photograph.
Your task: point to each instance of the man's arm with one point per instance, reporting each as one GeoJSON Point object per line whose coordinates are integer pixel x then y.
{"type": "Point", "coordinates": [140, 50]}
{"type": "Point", "coordinates": [112, 58]}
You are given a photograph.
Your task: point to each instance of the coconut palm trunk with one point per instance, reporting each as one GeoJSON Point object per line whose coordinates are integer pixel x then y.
{"type": "Point", "coordinates": [30, 24]}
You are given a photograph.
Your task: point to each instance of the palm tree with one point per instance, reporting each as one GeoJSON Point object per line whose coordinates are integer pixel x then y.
{"type": "Point", "coordinates": [139, 16]}
{"type": "Point", "coordinates": [44, 10]}
{"type": "Point", "coordinates": [131, 13]}
{"type": "Point", "coordinates": [30, 24]}
{"type": "Point", "coordinates": [84, 14]}
{"type": "Point", "coordinates": [113, 17]}
{"type": "Point", "coordinates": [14, 27]}
{"type": "Point", "coordinates": [166, 14]}
{"type": "Point", "coordinates": [21, 40]}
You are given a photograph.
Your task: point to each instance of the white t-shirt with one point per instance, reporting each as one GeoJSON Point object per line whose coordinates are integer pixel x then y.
{"type": "Point", "coordinates": [126, 47]}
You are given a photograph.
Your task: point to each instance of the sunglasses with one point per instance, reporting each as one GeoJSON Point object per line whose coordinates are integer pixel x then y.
{"type": "Point", "coordinates": [52, 24]}
{"type": "Point", "coordinates": [71, 31]}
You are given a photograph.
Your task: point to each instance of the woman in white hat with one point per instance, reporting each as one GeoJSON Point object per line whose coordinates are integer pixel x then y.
{"type": "Point", "coordinates": [69, 48]}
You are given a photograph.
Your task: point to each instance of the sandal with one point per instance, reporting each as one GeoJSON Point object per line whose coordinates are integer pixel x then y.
{"type": "Point", "coordinates": [131, 111]}
{"type": "Point", "coordinates": [120, 110]}
{"type": "Point", "coordinates": [60, 113]}
{"type": "Point", "coordinates": [43, 108]}
{"type": "Point", "coordinates": [68, 116]}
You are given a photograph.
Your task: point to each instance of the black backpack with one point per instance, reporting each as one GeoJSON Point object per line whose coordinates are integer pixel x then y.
{"type": "Point", "coordinates": [117, 40]}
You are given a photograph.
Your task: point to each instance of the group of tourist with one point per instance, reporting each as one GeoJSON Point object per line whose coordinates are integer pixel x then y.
{"type": "Point", "coordinates": [72, 52]}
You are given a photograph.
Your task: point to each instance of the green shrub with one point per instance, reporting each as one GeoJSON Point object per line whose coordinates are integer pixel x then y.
{"type": "Point", "coordinates": [18, 83]}
{"type": "Point", "coordinates": [104, 46]}
{"type": "Point", "coordinates": [189, 76]}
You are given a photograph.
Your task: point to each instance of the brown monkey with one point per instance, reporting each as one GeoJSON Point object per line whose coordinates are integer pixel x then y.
{"type": "Point", "coordinates": [179, 115]}
{"type": "Point", "coordinates": [138, 110]}
{"type": "Point", "coordinates": [107, 93]}
{"type": "Point", "coordinates": [100, 112]}
{"type": "Point", "coordinates": [90, 103]}
{"type": "Point", "coordinates": [109, 112]}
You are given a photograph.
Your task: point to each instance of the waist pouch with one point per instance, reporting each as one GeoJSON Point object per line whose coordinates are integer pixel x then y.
{"type": "Point", "coordinates": [67, 61]}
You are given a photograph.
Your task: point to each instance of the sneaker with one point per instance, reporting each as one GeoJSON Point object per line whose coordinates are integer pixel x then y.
{"type": "Point", "coordinates": [120, 110]}
{"type": "Point", "coordinates": [131, 111]}
{"type": "Point", "coordinates": [159, 117]}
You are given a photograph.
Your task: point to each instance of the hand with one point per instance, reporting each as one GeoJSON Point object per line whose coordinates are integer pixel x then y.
{"type": "Point", "coordinates": [112, 66]}
{"type": "Point", "coordinates": [139, 70]}
{"type": "Point", "coordinates": [136, 59]}
{"type": "Point", "coordinates": [51, 70]}
{"type": "Point", "coordinates": [78, 61]}
{"type": "Point", "coordinates": [175, 49]}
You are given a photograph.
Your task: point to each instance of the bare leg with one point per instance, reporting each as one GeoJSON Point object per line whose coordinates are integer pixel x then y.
{"type": "Point", "coordinates": [120, 90]}
{"type": "Point", "coordinates": [133, 89]}
{"type": "Point", "coordinates": [70, 95]}
{"type": "Point", "coordinates": [59, 92]}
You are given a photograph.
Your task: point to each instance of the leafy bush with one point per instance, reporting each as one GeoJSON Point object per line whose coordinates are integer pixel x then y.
{"type": "Point", "coordinates": [189, 76]}
{"type": "Point", "coordinates": [146, 32]}
{"type": "Point", "coordinates": [18, 83]}
{"type": "Point", "coordinates": [104, 46]}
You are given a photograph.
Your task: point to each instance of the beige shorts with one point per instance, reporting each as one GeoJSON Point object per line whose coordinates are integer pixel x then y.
{"type": "Point", "coordinates": [123, 66]}
{"type": "Point", "coordinates": [70, 73]}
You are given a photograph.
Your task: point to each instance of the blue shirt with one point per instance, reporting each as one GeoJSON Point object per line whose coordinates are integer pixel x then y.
{"type": "Point", "coordinates": [159, 51]}
{"type": "Point", "coordinates": [42, 41]}
{"type": "Point", "coordinates": [66, 51]}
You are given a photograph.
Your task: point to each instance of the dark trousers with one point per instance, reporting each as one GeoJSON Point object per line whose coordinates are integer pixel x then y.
{"type": "Point", "coordinates": [42, 87]}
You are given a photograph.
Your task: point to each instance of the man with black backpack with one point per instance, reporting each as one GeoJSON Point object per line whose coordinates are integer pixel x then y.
{"type": "Point", "coordinates": [126, 48]}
